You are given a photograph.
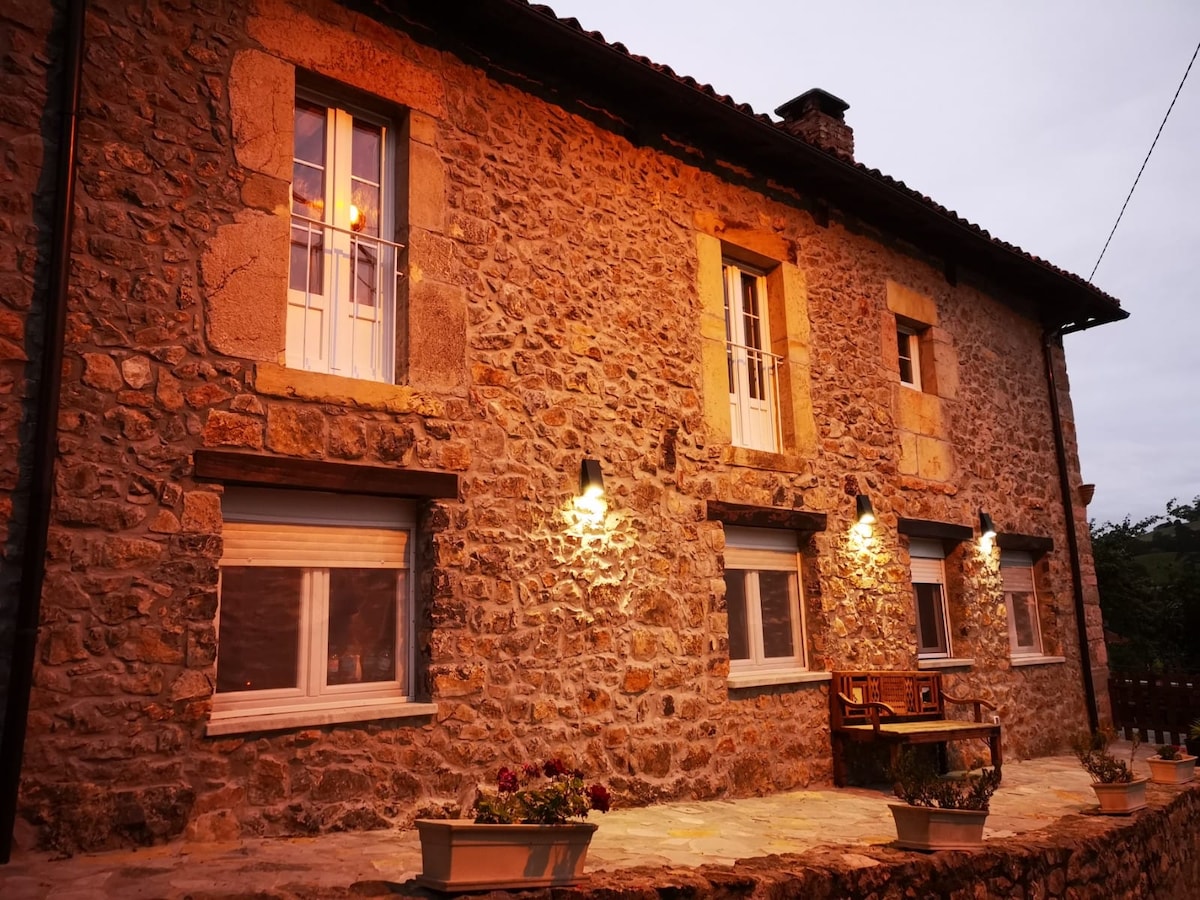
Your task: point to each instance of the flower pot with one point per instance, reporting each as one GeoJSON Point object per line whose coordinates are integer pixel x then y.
{"type": "Point", "coordinates": [1121, 797]}
{"type": "Point", "coordinates": [459, 855]}
{"type": "Point", "coordinates": [929, 828]}
{"type": "Point", "coordinates": [1172, 771]}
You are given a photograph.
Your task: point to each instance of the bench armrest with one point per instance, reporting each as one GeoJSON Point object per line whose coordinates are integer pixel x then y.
{"type": "Point", "coordinates": [871, 707]}
{"type": "Point", "coordinates": [978, 702]}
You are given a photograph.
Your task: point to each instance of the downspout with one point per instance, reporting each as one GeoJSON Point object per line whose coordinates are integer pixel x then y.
{"type": "Point", "coordinates": [33, 563]}
{"type": "Point", "coordinates": [1053, 336]}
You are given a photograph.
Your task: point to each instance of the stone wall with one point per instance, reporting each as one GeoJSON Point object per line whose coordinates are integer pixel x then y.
{"type": "Point", "coordinates": [554, 304]}
{"type": "Point", "coordinates": [28, 144]}
{"type": "Point", "coordinates": [1154, 855]}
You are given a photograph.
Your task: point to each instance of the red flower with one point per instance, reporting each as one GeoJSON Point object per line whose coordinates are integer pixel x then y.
{"type": "Point", "coordinates": [507, 779]}
{"type": "Point", "coordinates": [529, 769]}
{"type": "Point", "coordinates": [598, 795]}
{"type": "Point", "coordinates": [554, 767]}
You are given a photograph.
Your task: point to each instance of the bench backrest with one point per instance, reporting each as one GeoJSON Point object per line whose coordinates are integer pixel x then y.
{"type": "Point", "coordinates": [915, 696]}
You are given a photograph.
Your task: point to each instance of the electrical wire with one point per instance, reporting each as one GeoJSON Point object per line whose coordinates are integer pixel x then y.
{"type": "Point", "coordinates": [1143, 168]}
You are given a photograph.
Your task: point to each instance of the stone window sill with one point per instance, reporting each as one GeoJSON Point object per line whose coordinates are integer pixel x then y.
{"type": "Point", "coordinates": [299, 384]}
{"type": "Point", "coordinates": [761, 459]}
{"type": "Point", "coordinates": [963, 663]}
{"type": "Point", "coordinates": [233, 723]}
{"type": "Point", "coordinates": [762, 679]}
{"type": "Point", "coordinates": [1037, 660]}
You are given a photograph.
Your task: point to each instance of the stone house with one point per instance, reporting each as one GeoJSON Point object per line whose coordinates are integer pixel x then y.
{"type": "Point", "coordinates": [307, 343]}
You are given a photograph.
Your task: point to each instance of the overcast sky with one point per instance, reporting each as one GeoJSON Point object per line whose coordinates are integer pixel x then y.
{"type": "Point", "coordinates": [1029, 118]}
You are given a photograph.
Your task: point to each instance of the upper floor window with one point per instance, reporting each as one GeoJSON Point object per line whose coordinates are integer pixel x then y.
{"type": "Point", "coordinates": [315, 608]}
{"type": "Point", "coordinates": [927, 563]}
{"type": "Point", "coordinates": [908, 344]}
{"type": "Point", "coordinates": [342, 275]}
{"type": "Point", "coordinates": [762, 596]}
{"type": "Point", "coordinates": [753, 368]}
{"type": "Point", "coordinates": [1020, 599]}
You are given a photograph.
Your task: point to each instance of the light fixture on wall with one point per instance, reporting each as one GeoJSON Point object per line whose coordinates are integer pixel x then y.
{"type": "Point", "coordinates": [987, 528]}
{"type": "Point", "coordinates": [864, 511]}
{"type": "Point", "coordinates": [591, 479]}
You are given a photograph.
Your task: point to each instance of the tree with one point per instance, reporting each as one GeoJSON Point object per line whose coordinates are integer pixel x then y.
{"type": "Point", "coordinates": [1148, 572]}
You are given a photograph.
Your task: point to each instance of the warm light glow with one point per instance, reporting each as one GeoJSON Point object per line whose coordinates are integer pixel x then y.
{"type": "Point", "coordinates": [355, 217]}
{"type": "Point", "coordinates": [865, 513]}
{"type": "Point", "coordinates": [987, 528]}
{"type": "Point", "coordinates": [593, 492]}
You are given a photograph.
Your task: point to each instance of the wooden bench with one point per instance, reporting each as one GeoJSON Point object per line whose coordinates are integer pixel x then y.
{"type": "Point", "coordinates": [899, 708]}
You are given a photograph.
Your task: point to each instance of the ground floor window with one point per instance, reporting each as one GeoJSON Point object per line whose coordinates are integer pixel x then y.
{"type": "Point", "coordinates": [762, 596]}
{"type": "Point", "coordinates": [927, 563]}
{"type": "Point", "coordinates": [315, 601]}
{"type": "Point", "coordinates": [1020, 599]}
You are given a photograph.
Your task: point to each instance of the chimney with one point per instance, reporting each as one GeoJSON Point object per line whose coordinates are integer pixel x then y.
{"type": "Point", "coordinates": [819, 117]}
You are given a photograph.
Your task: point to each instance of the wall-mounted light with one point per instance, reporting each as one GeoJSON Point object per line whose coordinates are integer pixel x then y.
{"type": "Point", "coordinates": [987, 528]}
{"type": "Point", "coordinates": [864, 511]}
{"type": "Point", "coordinates": [591, 479]}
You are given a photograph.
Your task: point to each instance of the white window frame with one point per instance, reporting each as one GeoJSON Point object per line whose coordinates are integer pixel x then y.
{"type": "Point", "coordinates": [908, 347]}
{"type": "Point", "coordinates": [1016, 576]}
{"type": "Point", "coordinates": [750, 551]}
{"type": "Point", "coordinates": [753, 368]}
{"type": "Point", "coordinates": [329, 331]}
{"type": "Point", "coordinates": [927, 566]}
{"type": "Point", "coordinates": [284, 523]}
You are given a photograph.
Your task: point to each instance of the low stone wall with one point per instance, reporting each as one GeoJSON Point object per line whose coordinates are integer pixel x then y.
{"type": "Point", "coordinates": [1153, 853]}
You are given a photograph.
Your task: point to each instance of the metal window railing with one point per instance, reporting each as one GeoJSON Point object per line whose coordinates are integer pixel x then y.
{"type": "Point", "coordinates": [754, 391]}
{"type": "Point", "coordinates": [353, 279]}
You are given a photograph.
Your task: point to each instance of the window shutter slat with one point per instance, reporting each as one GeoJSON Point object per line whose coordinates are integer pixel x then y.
{"type": "Point", "coordinates": [316, 546]}
{"type": "Point", "coordinates": [927, 571]}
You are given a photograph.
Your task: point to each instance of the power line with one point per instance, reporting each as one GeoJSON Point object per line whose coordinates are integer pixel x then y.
{"type": "Point", "coordinates": [1144, 161]}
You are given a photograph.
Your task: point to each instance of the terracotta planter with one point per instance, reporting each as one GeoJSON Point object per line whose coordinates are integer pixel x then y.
{"type": "Point", "coordinates": [1121, 797]}
{"type": "Point", "coordinates": [928, 828]}
{"type": "Point", "coordinates": [458, 855]}
{"type": "Point", "coordinates": [1172, 771]}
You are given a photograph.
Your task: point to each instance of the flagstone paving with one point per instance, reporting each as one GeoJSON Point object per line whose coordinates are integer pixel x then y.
{"type": "Point", "coordinates": [1035, 794]}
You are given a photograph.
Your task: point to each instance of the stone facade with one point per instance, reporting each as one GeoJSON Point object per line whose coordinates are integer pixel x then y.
{"type": "Point", "coordinates": [558, 303]}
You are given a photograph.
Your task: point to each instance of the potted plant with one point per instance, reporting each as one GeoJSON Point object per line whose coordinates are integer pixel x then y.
{"type": "Point", "coordinates": [529, 833]}
{"type": "Point", "coordinates": [1193, 739]}
{"type": "Point", "coordinates": [1172, 765]}
{"type": "Point", "coordinates": [939, 813]}
{"type": "Point", "coordinates": [1112, 779]}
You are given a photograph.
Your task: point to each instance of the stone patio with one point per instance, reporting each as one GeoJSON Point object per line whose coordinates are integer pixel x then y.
{"type": "Point", "coordinates": [847, 828]}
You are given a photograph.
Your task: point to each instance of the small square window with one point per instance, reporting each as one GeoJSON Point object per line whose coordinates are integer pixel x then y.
{"type": "Point", "coordinates": [927, 565]}
{"type": "Point", "coordinates": [315, 606]}
{"type": "Point", "coordinates": [1020, 600]}
{"type": "Point", "coordinates": [343, 270]}
{"type": "Point", "coordinates": [762, 596]}
{"type": "Point", "coordinates": [753, 368]}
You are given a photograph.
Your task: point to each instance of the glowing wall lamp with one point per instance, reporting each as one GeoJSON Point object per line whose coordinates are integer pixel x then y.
{"type": "Point", "coordinates": [591, 479]}
{"type": "Point", "coordinates": [865, 513]}
{"type": "Point", "coordinates": [987, 528]}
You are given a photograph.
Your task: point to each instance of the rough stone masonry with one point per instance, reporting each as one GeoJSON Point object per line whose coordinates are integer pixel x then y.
{"type": "Point", "coordinates": [559, 303]}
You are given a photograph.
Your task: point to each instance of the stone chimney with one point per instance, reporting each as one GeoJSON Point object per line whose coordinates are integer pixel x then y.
{"type": "Point", "coordinates": [819, 118]}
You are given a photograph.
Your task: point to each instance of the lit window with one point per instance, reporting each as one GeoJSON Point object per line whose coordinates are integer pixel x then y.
{"type": "Point", "coordinates": [753, 369]}
{"type": "Point", "coordinates": [762, 596]}
{"type": "Point", "coordinates": [342, 274]}
{"type": "Point", "coordinates": [315, 609]}
{"type": "Point", "coordinates": [908, 344]}
{"type": "Point", "coordinates": [927, 565]}
{"type": "Point", "coordinates": [1020, 598]}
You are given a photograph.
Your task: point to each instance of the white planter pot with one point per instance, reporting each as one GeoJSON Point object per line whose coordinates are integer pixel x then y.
{"type": "Point", "coordinates": [1121, 797]}
{"type": "Point", "coordinates": [928, 828]}
{"type": "Point", "coordinates": [458, 855]}
{"type": "Point", "coordinates": [1172, 771]}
